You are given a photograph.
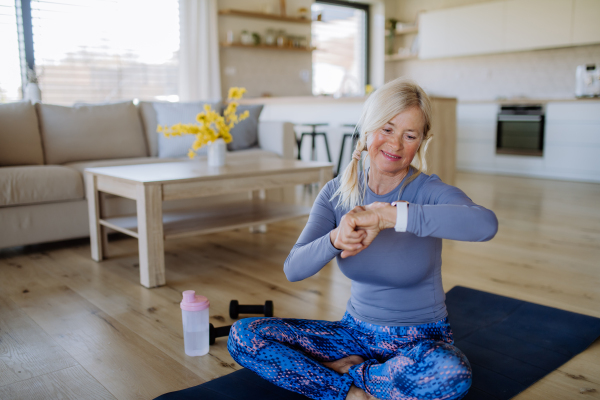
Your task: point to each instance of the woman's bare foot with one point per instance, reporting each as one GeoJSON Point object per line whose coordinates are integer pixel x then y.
{"type": "Point", "coordinates": [342, 366]}
{"type": "Point", "coordinates": [358, 394]}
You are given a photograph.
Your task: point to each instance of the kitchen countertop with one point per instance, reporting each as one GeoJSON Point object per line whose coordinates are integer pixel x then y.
{"type": "Point", "coordinates": [522, 100]}
{"type": "Point", "coordinates": [361, 99]}
{"type": "Point", "coordinates": [317, 100]}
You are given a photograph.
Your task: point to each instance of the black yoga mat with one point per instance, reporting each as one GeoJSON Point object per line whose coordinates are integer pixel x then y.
{"type": "Point", "coordinates": [510, 343]}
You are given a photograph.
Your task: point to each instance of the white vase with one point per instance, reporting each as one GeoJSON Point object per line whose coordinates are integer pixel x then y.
{"type": "Point", "coordinates": [217, 151]}
{"type": "Point", "coordinates": [33, 93]}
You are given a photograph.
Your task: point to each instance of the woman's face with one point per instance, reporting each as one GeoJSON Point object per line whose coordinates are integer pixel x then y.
{"type": "Point", "coordinates": [393, 147]}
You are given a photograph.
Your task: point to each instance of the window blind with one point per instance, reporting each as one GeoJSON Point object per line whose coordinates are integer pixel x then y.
{"type": "Point", "coordinates": [106, 50]}
{"type": "Point", "coordinates": [10, 70]}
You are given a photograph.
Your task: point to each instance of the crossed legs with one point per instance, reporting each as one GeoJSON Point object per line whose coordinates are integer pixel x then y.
{"type": "Point", "coordinates": [336, 360]}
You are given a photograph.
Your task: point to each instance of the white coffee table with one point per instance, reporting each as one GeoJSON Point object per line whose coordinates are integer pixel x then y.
{"type": "Point", "coordinates": [151, 184]}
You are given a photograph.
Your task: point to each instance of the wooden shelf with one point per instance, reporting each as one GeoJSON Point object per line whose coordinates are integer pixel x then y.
{"type": "Point", "coordinates": [405, 31]}
{"type": "Point", "coordinates": [400, 57]}
{"type": "Point", "coordinates": [210, 219]}
{"type": "Point", "coordinates": [264, 46]}
{"type": "Point", "coordinates": [274, 17]}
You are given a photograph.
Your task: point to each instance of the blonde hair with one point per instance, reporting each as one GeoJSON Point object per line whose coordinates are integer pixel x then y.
{"type": "Point", "coordinates": [381, 107]}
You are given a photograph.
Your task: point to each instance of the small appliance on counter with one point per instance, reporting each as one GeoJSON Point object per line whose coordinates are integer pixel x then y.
{"type": "Point", "coordinates": [587, 82]}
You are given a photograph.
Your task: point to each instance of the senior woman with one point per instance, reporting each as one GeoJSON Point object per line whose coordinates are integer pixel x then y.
{"type": "Point", "coordinates": [385, 226]}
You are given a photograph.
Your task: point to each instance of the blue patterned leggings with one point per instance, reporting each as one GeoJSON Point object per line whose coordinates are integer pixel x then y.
{"type": "Point", "coordinates": [402, 362]}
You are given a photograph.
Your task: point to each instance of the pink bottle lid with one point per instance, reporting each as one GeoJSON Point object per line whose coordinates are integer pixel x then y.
{"type": "Point", "coordinates": [193, 302]}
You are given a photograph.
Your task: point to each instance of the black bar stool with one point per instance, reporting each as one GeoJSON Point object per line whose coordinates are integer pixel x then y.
{"type": "Point", "coordinates": [313, 134]}
{"type": "Point", "coordinates": [354, 136]}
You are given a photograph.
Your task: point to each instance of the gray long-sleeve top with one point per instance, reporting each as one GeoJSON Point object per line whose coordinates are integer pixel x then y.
{"type": "Point", "coordinates": [397, 280]}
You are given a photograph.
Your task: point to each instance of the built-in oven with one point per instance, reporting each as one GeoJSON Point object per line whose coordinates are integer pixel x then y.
{"type": "Point", "coordinates": [520, 130]}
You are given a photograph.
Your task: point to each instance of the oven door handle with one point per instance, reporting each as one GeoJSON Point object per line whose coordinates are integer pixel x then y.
{"type": "Point", "coordinates": [519, 118]}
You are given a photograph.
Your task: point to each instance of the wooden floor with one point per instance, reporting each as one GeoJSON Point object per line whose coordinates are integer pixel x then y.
{"type": "Point", "coordinates": [71, 328]}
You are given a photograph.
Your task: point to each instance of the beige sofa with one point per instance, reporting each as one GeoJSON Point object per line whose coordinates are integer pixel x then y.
{"type": "Point", "coordinates": [44, 150]}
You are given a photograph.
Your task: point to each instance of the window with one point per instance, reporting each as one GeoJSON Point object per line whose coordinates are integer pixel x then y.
{"type": "Point", "coordinates": [339, 32]}
{"type": "Point", "coordinates": [10, 70]}
{"type": "Point", "coordinates": [105, 50]}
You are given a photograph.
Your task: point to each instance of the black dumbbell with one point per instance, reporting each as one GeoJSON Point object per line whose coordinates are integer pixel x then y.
{"type": "Point", "coordinates": [214, 333]}
{"type": "Point", "coordinates": [235, 309]}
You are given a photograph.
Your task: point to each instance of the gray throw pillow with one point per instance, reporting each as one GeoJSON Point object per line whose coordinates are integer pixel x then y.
{"type": "Point", "coordinates": [168, 114]}
{"type": "Point", "coordinates": [245, 133]}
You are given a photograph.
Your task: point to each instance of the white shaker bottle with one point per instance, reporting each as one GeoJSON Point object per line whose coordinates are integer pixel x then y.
{"type": "Point", "coordinates": [194, 312]}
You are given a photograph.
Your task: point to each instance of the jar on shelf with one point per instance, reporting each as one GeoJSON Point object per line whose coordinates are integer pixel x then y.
{"type": "Point", "coordinates": [281, 39]}
{"type": "Point", "coordinates": [303, 42]}
{"type": "Point", "coordinates": [270, 38]}
{"type": "Point", "coordinates": [303, 12]}
{"type": "Point", "coordinates": [246, 38]}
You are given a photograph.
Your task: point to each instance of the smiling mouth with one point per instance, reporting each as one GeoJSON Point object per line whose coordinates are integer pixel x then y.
{"type": "Point", "coordinates": [391, 156]}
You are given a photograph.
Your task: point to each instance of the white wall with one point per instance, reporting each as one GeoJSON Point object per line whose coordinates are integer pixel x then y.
{"type": "Point", "coordinates": [533, 74]}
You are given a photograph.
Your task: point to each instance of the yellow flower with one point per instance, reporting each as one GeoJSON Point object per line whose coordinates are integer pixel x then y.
{"type": "Point", "coordinates": [227, 138]}
{"type": "Point", "coordinates": [236, 93]}
{"type": "Point", "coordinates": [232, 119]}
{"type": "Point", "coordinates": [197, 144]}
{"type": "Point", "coordinates": [231, 108]}
{"type": "Point", "coordinates": [369, 89]}
{"type": "Point", "coordinates": [210, 125]}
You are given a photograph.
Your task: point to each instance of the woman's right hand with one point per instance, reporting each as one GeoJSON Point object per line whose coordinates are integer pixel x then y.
{"type": "Point", "coordinates": [345, 237]}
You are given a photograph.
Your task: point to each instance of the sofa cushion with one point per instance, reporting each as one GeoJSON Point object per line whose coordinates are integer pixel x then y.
{"type": "Point", "coordinates": [20, 141]}
{"type": "Point", "coordinates": [168, 114]}
{"type": "Point", "coordinates": [245, 133]}
{"type": "Point", "coordinates": [90, 132]}
{"type": "Point", "coordinates": [39, 184]}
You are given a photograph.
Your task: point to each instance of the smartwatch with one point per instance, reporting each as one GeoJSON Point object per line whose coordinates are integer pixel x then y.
{"type": "Point", "coordinates": [401, 215]}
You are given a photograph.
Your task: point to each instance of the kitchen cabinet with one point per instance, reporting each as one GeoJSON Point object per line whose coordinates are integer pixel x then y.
{"type": "Point", "coordinates": [571, 142]}
{"type": "Point", "coordinates": [508, 25]}
{"type": "Point", "coordinates": [586, 27]}
{"type": "Point", "coordinates": [536, 24]}
{"type": "Point", "coordinates": [462, 31]}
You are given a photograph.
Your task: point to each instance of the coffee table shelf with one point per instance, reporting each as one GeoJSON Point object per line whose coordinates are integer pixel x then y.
{"type": "Point", "coordinates": [210, 219]}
